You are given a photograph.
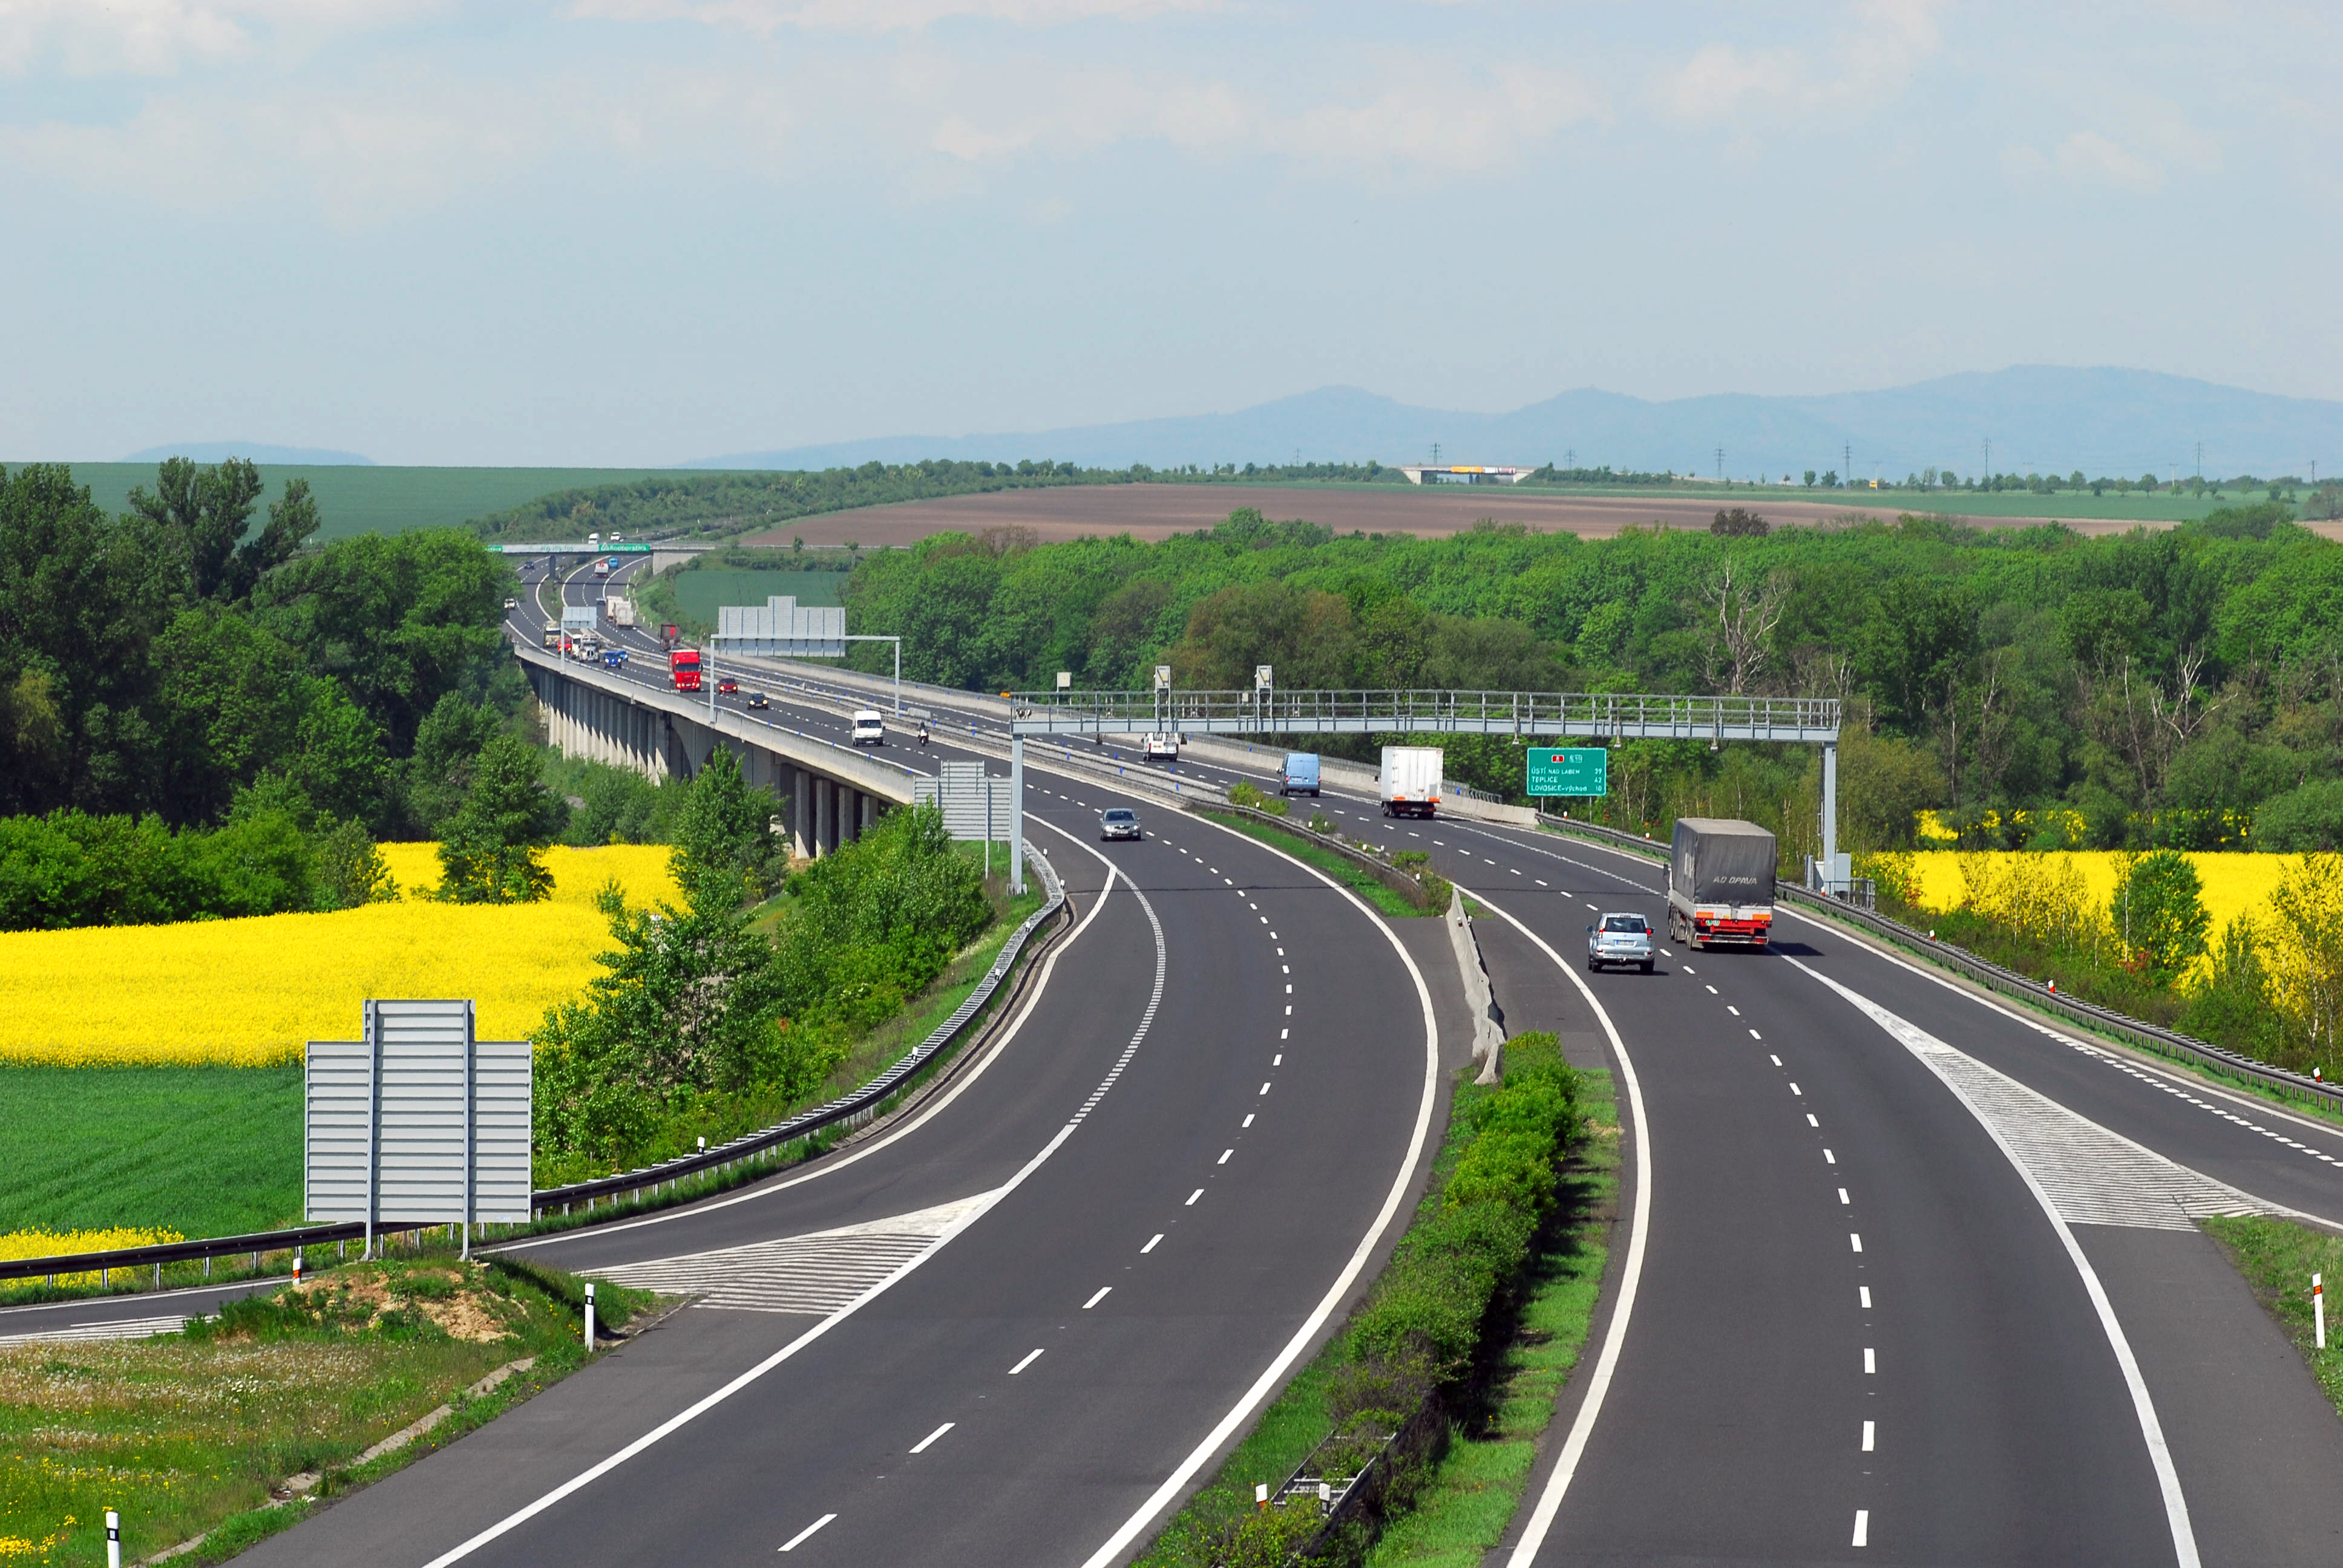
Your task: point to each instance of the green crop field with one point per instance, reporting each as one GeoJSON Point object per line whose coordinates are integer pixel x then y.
{"type": "Point", "coordinates": [356, 499]}
{"type": "Point", "coordinates": [204, 1151]}
{"type": "Point", "coordinates": [699, 592]}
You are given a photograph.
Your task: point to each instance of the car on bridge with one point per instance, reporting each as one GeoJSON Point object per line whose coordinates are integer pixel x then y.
{"type": "Point", "coordinates": [869, 728]}
{"type": "Point", "coordinates": [1619, 939]}
{"type": "Point", "coordinates": [756, 700]}
{"type": "Point", "coordinates": [1119, 823]}
{"type": "Point", "coordinates": [727, 687]}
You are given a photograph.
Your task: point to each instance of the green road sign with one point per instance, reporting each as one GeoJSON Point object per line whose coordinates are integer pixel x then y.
{"type": "Point", "coordinates": [1569, 770]}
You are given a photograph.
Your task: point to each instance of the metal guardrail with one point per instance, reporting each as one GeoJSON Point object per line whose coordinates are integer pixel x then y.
{"type": "Point", "coordinates": [848, 1111]}
{"type": "Point", "coordinates": [2010, 983]}
{"type": "Point", "coordinates": [1590, 714]}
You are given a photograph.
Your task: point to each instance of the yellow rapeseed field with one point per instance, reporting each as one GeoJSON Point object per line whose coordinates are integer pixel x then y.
{"type": "Point", "coordinates": [254, 991]}
{"type": "Point", "coordinates": [38, 1243]}
{"type": "Point", "coordinates": [2235, 884]}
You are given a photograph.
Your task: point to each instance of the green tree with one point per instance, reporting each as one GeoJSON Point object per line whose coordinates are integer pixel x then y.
{"type": "Point", "coordinates": [2158, 911]}
{"type": "Point", "coordinates": [725, 851]}
{"type": "Point", "coordinates": [439, 772]}
{"type": "Point", "coordinates": [203, 513]}
{"type": "Point", "coordinates": [493, 851]}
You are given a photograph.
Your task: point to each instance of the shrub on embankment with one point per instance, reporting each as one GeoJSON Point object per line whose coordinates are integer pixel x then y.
{"type": "Point", "coordinates": [1422, 1334]}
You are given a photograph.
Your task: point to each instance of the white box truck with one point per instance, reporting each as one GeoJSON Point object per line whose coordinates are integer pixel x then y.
{"type": "Point", "coordinates": [1720, 882]}
{"type": "Point", "coordinates": [1410, 780]}
{"type": "Point", "coordinates": [620, 608]}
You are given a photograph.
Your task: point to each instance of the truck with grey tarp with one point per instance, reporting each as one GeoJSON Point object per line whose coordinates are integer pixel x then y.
{"type": "Point", "coordinates": [1720, 882]}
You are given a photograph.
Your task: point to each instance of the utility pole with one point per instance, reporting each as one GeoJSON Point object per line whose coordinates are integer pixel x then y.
{"type": "Point", "coordinates": [1988, 456]}
{"type": "Point", "coordinates": [1570, 461]}
{"type": "Point", "coordinates": [2201, 459]}
{"type": "Point", "coordinates": [1719, 462]}
{"type": "Point", "coordinates": [1435, 454]}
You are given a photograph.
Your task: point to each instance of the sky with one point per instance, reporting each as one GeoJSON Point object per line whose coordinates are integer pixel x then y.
{"type": "Point", "coordinates": [632, 232]}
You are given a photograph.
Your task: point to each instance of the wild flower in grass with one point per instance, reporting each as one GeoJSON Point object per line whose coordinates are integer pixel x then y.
{"type": "Point", "coordinates": [41, 1244]}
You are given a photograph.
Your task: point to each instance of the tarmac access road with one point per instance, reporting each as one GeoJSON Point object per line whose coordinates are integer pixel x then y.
{"type": "Point", "coordinates": [1152, 1208]}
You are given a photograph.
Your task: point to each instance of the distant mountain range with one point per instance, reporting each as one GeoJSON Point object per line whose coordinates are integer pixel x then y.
{"type": "Point", "coordinates": [258, 451]}
{"type": "Point", "coordinates": [2037, 417]}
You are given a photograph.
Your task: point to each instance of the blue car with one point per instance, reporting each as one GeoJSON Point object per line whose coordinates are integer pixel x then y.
{"type": "Point", "coordinates": [1299, 774]}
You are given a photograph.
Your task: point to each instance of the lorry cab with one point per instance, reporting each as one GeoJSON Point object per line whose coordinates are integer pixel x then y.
{"type": "Point", "coordinates": [1297, 774]}
{"type": "Point", "coordinates": [869, 728]}
{"type": "Point", "coordinates": [553, 636]}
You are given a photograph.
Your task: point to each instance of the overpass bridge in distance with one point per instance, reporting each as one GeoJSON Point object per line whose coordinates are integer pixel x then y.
{"type": "Point", "coordinates": [832, 793]}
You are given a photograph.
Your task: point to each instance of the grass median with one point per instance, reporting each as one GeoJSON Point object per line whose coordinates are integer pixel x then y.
{"type": "Point", "coordinates": [1342, 867]}
{"type": "Point", "coordinates": [1482, 1309]}
{"type": "Point", "coordinates": [195, 1432]}
{"type": "Point", "coordinates": [2278, 1258]}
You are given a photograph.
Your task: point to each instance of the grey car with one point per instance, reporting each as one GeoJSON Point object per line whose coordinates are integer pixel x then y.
{"type": "Point", "coordinates": [1619, 939]}
{"type": "Point", "coordinates": [1119, 823]}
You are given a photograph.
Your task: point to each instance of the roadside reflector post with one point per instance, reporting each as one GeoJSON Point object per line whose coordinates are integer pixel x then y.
{"type": "Point", "coordinates": [296, 1268]}
{"type": "Point", "coordinates": [590, 1317]}
{"type": "Point", "coordinates": [1261, 1493]}
{"type": "Point", "coordinates": [113, 1539]}
{"type": "Point", "coordinates": [2318, 1309]}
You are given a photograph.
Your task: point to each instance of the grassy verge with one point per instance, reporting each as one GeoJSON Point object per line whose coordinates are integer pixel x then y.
{"type": "Point", "coordinates": [1343, 870]}
{"type": "Point", "coordinates": [2278, 1258]}
{"type": "Point", "coordinates": [186, 1434]}
{"type": "Point", "coordinates": [1467, 1285]}
{"type": "Point", "coordinates": [203, 1150]}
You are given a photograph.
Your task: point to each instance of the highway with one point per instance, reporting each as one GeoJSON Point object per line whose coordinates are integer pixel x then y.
{"type": "Point", "coordinates": [1919, 1277]}
{"type": "Point", "coordinates": [1061, 1282]}
{"type": "Point", "coordinates": [1900, 1274]}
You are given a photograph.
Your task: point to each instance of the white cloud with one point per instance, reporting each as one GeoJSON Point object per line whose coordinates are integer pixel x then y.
{"type": "Point", "coordinates": [2088, 159]}
{"type": "Point", "coordinates": [769, 16]}
{"type": "Point", "coordinates": [1866, 62]}
{"type": "Point", "coordinates": [157, 38]}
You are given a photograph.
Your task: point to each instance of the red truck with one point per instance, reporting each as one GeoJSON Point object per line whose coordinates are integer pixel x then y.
{"type": "Point", "coordinates": [683, 664]}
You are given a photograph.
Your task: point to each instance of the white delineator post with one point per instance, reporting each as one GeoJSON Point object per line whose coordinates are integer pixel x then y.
{"type": "Point", "coordinates": [590, 1317]}
{"type": "Point", "coordinates": [2318, 1309]}
{"type": "Point", "coordinates": [113, 1539]}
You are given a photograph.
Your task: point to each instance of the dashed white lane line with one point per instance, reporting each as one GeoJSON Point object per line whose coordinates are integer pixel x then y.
{"type": "Point", "coordinates": [1094, 1300]}
{"type": "Point", "coordinates": [1864, 1292]}
{"type": "Point", "coordinates": [1733, 1009]}
{"type": "Point", "coordinates": [1863, 1527]}
{"type": "Point", "coordinates": [1755, 1035]}
{"type": "Point", "coordinates": [1843, 1198]}
{"type": "Point", "coordinates": [1797, 1090]}
{"type": "Point", "coordinates": [1775, 1059]}
{"type": "Point", "coordinates": [1246, 1122]}
{"type": "Point", "coordinates": [1870, 1436]}
{"type": "Point", "coordinates": [1829, 1158]}
{"type": "Point", "coordinates": [1870, 1362]}
{"type": "Point", "coordinates": [922, 1446]}
{"type": "Point", "coordinates": [1192, 1198]}
{"type": "Point", "coordinates": [1539, 880]}
{"type": "Point", "coordinates": [800, 1539]}
{"type": "Point", "coordinates": [1152, 1242]}
{"type": "Point", "coordinates": [1030, 1358]}
{"type": "Point", "coordinates": [1855, 1240]}
{"type": "Point", "coordinates": [1264, 1088]}
{"type": "Point", "coordinates": [1224, 1157]}
{"type": "Point", "coordinates": [1810, 1119]}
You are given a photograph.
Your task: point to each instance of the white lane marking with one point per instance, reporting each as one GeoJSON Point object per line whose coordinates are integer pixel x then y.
{"type": "Point", "coordinates": [1863, 1527]}
{"type": "Point", "coordinates": [1278, 1060]}
{"type": "Point", "coordinates": [1514, 870]}
{"type": "Point", "coordinates": [1870, 1362]}
{"type": "Point", "coordinates": [1289, 987]}
{"type": "Point", "coordinates": [1264, 1088]}
{"type": "Point", "coordinates": [1152, 1242]}
{"type": "Point", "coordinates": [117, 1329]}
{"type": "Point", "coordinates": [814, 1274]}
{"type": "Point", "coordinates": [1094, 1300]}
{"type": "Point", "coordinates": [1283, 1033]}
{"type": "Point", "coordinates": [1246, 1122]}
{"type": "Point", "coordinates": [710, 1400]}
{"type": "Point", "coordinates": [1829, 1158]}
{"type": "Point", "coordinates": [1630, 1273]}
{"type": "Point", "coordinates": [1755, 1035]}
{"type": "Point", "coordinates": [1855, 1240]}
{"type": "Point", "coordinates": [1810, 1119]}
{"type": "Point", "coordinates": [1864, 1291]}
{"type": "Point", "coordinates": [766, 1190]}
{"type": "Point", "coordinates": [1594, 906]}
{"type": "Point", "coordinates": [1539, 880]}
{"type": "Point", "coordinates": [1797, 1090]}
{"type": "Point", "coordinates": [1843, 1198]}
{"type": "Point", "coordinates": [1775, 1059]}
{"type": "Point", "coordinates": [1937, 1057]}
{"type": "Point", "coordinates": [1870, 1436]}
{"type": "Point", "coordinates": [1733, 1009]}
{"type": "Point", "coordinates": [1192, 1198]}
{"type": "Point", "coordinates": [1224, 1157]}
{"type": "Point", "coordinates": [794, 1542]}
{"type": "Point", "coordinates": [1030, 1357]}
{"type": "Point", "coordinates": [1273, 1376]}
{"type": "Point", "coordinates": [1712, 989]}
{"type": "Point", "coordinates": [922, 1446]}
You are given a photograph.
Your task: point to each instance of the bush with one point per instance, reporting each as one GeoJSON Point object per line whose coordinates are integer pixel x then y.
{"type": "Point", "coordinates": [1244, 793]}
{"type": "Point", "coordinates": [2306, 819]}
{"type": "Point", "coordinates": [2159, 910]}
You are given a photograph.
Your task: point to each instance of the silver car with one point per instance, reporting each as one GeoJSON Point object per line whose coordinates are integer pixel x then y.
{"type": "Point", "coordinates": [1619, 939]}
{"type": "Point", "coordinates": [1119, 823]}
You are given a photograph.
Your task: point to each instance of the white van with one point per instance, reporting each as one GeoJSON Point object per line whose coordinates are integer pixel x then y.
{"type": "Point", "coordinates": [869, 728]}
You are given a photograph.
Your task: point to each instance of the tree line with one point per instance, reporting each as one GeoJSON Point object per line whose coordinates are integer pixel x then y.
{"type": "Point", "coordinates": [2164, 687]}
{"type": "Point", "coordinates": [203, 713]}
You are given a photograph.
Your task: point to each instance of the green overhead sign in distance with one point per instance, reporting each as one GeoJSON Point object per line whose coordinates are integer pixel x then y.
{"type": "Point", "coordinates": [1569, 770]}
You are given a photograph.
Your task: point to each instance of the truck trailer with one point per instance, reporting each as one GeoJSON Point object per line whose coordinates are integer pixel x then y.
{"type": "Point", "coordinates": [1721, 883]}
{"type": "Point", "coordinates": [1409, 780]}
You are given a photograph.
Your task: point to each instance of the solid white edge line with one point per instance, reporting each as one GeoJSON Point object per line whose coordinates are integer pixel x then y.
{"type": "Point", "coordinates": [2151, 1430]}
{"type": "Point", "coordinates": [766, 1188]}
{"type": "Point", "coordinates": [1615, 1334]}
{"type": "Point", "coordinates": [710, 1402]}
{"type": "Point", "coordinates": [1272, 1375]}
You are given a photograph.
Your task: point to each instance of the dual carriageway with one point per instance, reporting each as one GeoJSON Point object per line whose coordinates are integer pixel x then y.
{"type": "Point", "coordinates": [1899, 1273]}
